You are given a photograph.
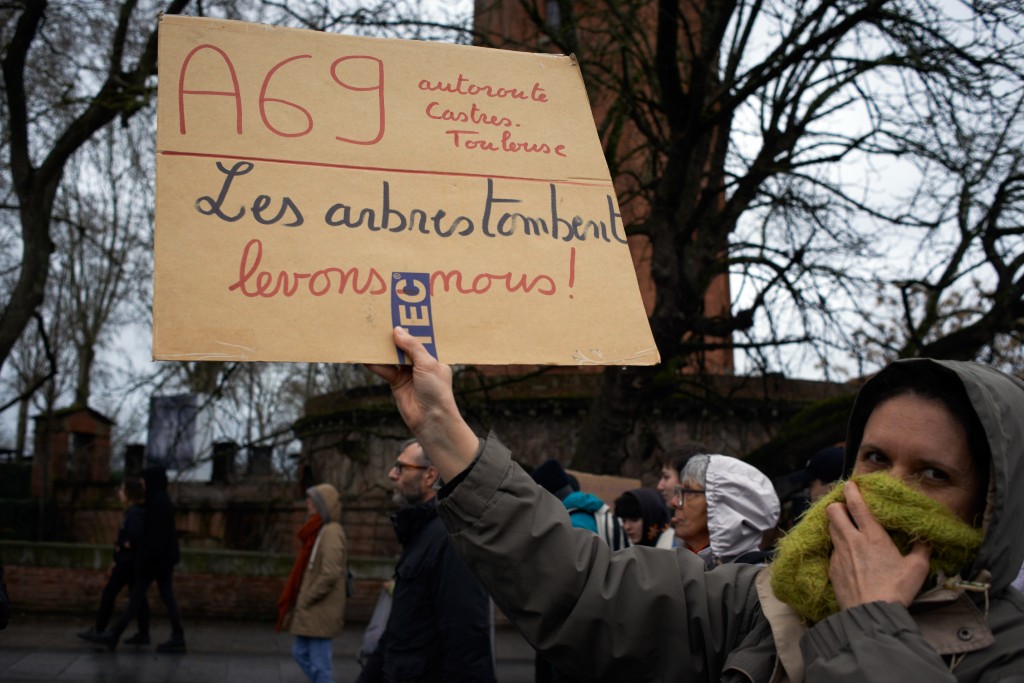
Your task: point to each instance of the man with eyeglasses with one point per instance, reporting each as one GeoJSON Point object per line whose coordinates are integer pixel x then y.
{"type": "Point", "coordinates": [440, 623]}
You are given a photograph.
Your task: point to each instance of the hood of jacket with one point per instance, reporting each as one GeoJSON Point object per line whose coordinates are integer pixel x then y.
{"type": "Point", "coordinates": [998, 401]}
{"type": "Point", "coordinates": [581, 500]}
{"type": "Point", "coordinates": [653, 513]}
{"type": "Point", "coordinates": [742, 505]}
{"type": "Point", "coordinates": [327, 501]}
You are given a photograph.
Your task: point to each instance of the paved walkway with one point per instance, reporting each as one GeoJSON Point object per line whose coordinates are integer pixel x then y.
{"type": "Point", "coordinates": [44, 648]}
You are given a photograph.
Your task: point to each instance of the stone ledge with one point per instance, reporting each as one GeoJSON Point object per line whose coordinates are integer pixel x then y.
{"type": "Point", "coordinates": [193, 560]}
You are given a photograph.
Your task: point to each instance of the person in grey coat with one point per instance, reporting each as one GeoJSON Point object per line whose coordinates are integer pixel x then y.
{"type": "Point", "coordinates": [942, 439]}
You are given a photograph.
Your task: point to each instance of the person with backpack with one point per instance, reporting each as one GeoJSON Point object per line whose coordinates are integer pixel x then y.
{"type": "Point", "coordinates": [311, 605]}
{"type": "Point", "coordinates": [586, 511]}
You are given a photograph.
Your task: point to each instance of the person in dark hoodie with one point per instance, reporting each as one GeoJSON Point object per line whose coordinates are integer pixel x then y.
{"type": "Point", "coordinates": [902, 573]}
{"type": "Point", "coordinates": [132, 494]}
{"type": "Point", "coordinates": [643, 514]}
{"type": "Point", "coordinates": [157, 555]}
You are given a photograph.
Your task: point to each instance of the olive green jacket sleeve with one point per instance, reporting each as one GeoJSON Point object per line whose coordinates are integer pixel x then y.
{"type": "Point", "coordinates": [645, 614]}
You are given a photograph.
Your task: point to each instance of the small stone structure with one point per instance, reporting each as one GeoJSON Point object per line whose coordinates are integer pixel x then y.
{"type": "Point", "coordinates": [72, 444]}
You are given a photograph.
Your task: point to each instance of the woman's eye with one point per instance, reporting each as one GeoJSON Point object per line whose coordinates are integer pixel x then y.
{"type": "Point", "coordinates": [875, 458]}
{"type": "Point", "coordinates": [934, 474]}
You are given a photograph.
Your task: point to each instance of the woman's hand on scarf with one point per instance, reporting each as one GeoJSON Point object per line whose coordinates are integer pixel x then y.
{"type": "Point", "coordinates": [866, 566]}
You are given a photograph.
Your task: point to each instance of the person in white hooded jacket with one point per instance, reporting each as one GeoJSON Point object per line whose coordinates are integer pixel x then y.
{"type": "Point", "coordinates": [723, 507]}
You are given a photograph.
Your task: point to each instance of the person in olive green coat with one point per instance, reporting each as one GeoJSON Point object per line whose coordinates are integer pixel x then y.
{"type": "Point", "coordinates": [312, 604]}
{"type": "Point", "coordinates": [947, 437]}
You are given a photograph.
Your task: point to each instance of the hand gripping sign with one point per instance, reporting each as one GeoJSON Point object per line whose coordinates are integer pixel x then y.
{"type": "Point", "coordinates": [314, 190]}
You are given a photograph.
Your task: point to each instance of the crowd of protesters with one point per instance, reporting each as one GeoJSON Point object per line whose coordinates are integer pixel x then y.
{"type": "Point", "coordinates": [895, 554]}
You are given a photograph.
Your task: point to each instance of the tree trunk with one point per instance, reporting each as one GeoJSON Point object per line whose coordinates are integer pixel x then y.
{"type": "Point", "coordinates": [625, 392]}
{"type": "Point", "coordinates": [29, 290]}
{"type": "Point", "coordinates": [86, 359]}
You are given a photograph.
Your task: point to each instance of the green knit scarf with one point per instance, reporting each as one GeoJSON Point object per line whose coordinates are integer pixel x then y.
{"type": "Point", "coordinates": [800, 570]}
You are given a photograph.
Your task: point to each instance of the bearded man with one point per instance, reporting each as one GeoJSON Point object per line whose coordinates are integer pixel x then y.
{"type": "Point", "coordinates": [440, 623]}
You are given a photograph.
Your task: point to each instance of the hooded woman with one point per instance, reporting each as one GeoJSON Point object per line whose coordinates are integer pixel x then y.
{"type": "Point", "coordinates": [643, 514]}
{"type": "Point", "coordinates": [723, 508]}
{"type": "Point", "coordinates": [312, 604]}
{"type": "Point", "coordinates": [909, 563]}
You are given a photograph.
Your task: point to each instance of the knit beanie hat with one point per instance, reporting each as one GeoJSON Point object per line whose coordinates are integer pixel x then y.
{"type": "Point", "coordinates": [551, 475]}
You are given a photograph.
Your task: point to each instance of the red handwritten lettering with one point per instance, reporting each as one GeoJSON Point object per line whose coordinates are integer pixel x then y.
{"type": "Point", "coordinates": [469, 142]}
{"type": "Point", "coordinates": [481, 283]}
{"type": "Point", "coordinates": [475, 115]}
{"type": "Point", "coordinates": [354, 73]}
{"type": "Point", "coordinates": [267, 284]}
{"type": "Point", "coordinates": [378, 87]}
{"type": "Point", "coordinates": [464, 139]}
{"type": "Point", "coordinates": [236, 92]}
{"type": "Point", "coordinates": [462, 86]}
{"type": "Point", "coordinates": [264, 99]}
{"type": "Point", "coordinates": [318, 283]}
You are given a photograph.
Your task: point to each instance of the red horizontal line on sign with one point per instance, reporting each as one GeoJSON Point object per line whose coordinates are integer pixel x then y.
{"type": "Point", "coordinates": [409, 171]}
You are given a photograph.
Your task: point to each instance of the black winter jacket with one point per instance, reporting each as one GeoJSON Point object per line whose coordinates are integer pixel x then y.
{"type": "Point", "coordinates": [129, 536]}
{"type": "Point", "coordinates": [439, 628]}
{"type": "Point", "coordinates": [158, 551]}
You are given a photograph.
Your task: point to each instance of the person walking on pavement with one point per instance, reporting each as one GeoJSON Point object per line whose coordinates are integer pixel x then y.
{"type": "Point", "coordinates": [157, 554]}
{"type": "Point", "coordinates": [312, 604]}
{"type": "Point", "coordinates": [439, 626]}
{"type": "Point", "coordinates": [122, 572]}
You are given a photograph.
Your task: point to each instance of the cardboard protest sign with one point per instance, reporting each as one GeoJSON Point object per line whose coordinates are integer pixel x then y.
{"type": "Point", "coordinates": [313, 190]}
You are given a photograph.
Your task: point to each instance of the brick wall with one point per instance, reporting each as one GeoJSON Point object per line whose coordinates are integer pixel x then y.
{"type": "Point", "coordinates": [77, 591]}
{"type": "Point", "coordinates": [67, 578]}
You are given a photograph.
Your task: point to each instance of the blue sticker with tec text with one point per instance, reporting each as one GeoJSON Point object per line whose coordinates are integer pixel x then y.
{"type": "Point", "coordinates": [410, 308]}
